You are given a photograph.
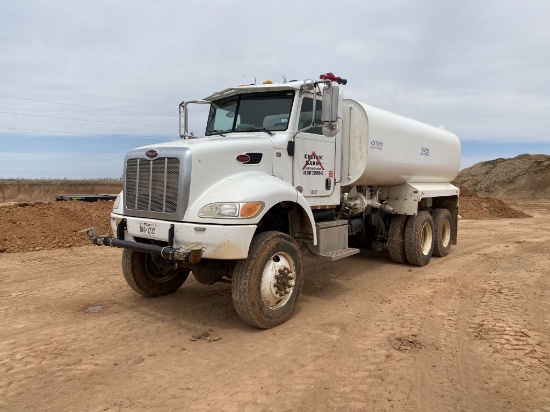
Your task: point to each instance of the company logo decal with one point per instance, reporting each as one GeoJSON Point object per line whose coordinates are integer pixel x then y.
{"type": "Point", "coordinates": [151, 154]}
{"type": "Point", "coordinates": [313, 165]}
{"type": "Point", "coordinates": [377, 145]}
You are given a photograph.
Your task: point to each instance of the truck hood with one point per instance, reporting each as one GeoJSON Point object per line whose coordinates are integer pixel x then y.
{"type": "Point", "coordinates": [240, 140]}
{"type": "Point", "coordinates": [216, 156]}
{"type": "Point", "coordinates": [208, 161]}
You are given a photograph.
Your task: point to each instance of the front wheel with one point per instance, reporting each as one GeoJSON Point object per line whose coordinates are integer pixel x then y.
{"type": "Point", "coordinates": [266, 285]}
{"type": "Point", "coordinates": [151, 277]}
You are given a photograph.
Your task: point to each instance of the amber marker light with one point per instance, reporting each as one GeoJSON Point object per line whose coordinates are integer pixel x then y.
{"type": "Point", "coordinates": [249, 210]}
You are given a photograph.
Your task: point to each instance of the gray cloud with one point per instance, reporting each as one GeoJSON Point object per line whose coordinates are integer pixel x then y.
{"type": "Point", "coordinates": [479, 68]}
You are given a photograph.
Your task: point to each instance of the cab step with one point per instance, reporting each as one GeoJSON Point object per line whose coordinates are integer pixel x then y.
{"type": "Point", "coordinates": [340, 254]}
{"type": "Point", "coordinates": [332, 240]}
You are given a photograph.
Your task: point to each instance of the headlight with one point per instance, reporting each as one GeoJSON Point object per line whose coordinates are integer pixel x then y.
{"type": "Point", "coordinates": [235, 210]}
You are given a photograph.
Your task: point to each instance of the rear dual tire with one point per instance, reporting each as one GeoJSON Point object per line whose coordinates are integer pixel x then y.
{"type": "Point", "coordinates": [419, 239]}
{"type": "Point", "coordinates": [442, 232]}
{"type": "Point", "coordinates": [396, 238]}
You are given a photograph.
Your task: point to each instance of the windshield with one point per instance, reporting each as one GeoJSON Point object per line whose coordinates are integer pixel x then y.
{"type": "Point", "coordinates": [250, 112]}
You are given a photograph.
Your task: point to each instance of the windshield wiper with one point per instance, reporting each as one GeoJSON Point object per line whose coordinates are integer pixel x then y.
{"type": "Point", "coordinates": [217, 132]}
{"type": "Point", "coordinates": [258, 129]}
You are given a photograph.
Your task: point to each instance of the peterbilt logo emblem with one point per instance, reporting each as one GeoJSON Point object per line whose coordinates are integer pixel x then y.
{"type": "Point", "coordinates": [151, 154]}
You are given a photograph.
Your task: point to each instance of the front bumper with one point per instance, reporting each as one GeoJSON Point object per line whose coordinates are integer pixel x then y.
{"type": "Point", "coordinates": [227, 242]}
{"type": "Point", "coordinates": [190, 254]}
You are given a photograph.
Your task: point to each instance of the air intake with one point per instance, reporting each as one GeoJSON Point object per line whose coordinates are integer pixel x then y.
{"type": "Point", "coordinates": [255, 158]}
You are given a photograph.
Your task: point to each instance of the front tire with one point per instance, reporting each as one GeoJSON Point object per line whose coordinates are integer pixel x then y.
{"type": "Point", "coordinates": [419, 239]}
{"type": "Point", "coordinates": [149, 279]}
{"type": "Point", "coordinates": [266, 285]}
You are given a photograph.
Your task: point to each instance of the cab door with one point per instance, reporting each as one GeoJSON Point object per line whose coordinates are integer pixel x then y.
{"type": "Point", "coordinates": [314, 154]}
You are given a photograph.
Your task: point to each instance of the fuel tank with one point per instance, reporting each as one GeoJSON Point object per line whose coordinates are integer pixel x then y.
{"type": "Point", "coordinates": [385, 149]}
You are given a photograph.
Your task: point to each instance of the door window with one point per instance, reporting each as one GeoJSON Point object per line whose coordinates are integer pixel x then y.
{"type": "Point", "coordinates": [306, 115]}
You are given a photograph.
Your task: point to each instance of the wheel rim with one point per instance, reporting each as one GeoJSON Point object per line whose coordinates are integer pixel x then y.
{"type": "Point", "coordinates": [446, 233]}
{"type": "Point", "coordinates": [159, 273]}
{"type": "Point", "coordinates": [427, 239]}
{"type": "Point", "coordinates": [278, 279]}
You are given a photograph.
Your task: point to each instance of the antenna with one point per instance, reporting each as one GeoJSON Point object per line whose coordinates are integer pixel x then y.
{"type": "Point", "coordinates": [251, 75]}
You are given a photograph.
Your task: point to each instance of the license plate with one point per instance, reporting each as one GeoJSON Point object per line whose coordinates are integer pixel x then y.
{"type": "Point", "coordinates": [148, 229]}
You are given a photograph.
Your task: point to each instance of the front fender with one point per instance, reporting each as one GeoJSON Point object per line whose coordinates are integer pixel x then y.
{"type": "Point", "coordinates": [248, 187]}
{"type": "Point", "coordinates": [307, 208]}
{"type": "Point", "coordinates": [119, 208]}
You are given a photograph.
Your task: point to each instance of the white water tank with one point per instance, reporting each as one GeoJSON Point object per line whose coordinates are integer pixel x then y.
{"type": "Point", "coordinates": [385, 149]}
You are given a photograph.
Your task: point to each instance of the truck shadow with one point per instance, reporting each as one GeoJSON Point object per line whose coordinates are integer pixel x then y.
{"type": "Point", "coordinates": [325, 279]}
{"type": "Point", "coordinates": [196, 307]}
{"type": "Point", "coordinates": [193, 306]}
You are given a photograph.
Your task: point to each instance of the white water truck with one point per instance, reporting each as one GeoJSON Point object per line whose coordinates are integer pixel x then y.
{"type": "Point", "coordinates": [283, 170]}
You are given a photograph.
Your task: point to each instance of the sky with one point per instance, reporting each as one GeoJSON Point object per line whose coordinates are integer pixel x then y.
{"type": "Point", "coordinates": [82, 83]}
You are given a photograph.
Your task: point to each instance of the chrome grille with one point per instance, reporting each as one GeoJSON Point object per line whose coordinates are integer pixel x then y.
{"type": "Point", "coordinates": [152, 185]}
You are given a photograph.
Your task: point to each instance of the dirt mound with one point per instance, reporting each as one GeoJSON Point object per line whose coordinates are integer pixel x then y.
{"type": "Point", "coordinates": [472, 206]}
{"type": "Point", "coordinates": [44, 190]}
{"type": "Point", "coordinates": [36, 226]}
{"type": "Point", "coordinates": [524, 176]}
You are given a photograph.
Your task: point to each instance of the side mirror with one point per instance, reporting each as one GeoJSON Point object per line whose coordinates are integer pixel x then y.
{"type": "Point", "coordinates": [308, 85]}
{"type": "Point", "coordinates": [329, 113]}
{"type": "Point", "coordinates": [330, 129]}
{"type": "Point", "coordinates": [330, 104]}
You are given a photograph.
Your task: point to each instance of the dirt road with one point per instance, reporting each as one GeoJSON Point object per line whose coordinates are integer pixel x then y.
{"type": "Point", "coordinates": [469, 332]}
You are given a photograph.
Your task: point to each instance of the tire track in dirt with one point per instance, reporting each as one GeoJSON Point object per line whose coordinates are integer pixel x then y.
{"type": "Point", "coordinates": [458, 363]}
{"type": "Point", "coordinates": [383, 334]}
{"type": "Point", "coordinates": [447, 372]}
{"type": "Point", "coordinates": [509, 331]}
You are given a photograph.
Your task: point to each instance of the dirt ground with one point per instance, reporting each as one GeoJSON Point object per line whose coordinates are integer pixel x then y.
{"type": "Point", "coordinates": [469, 332]}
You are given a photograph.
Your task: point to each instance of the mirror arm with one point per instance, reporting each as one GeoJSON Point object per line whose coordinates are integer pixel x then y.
{"type": "Point", "coordinates": [183, 110]}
